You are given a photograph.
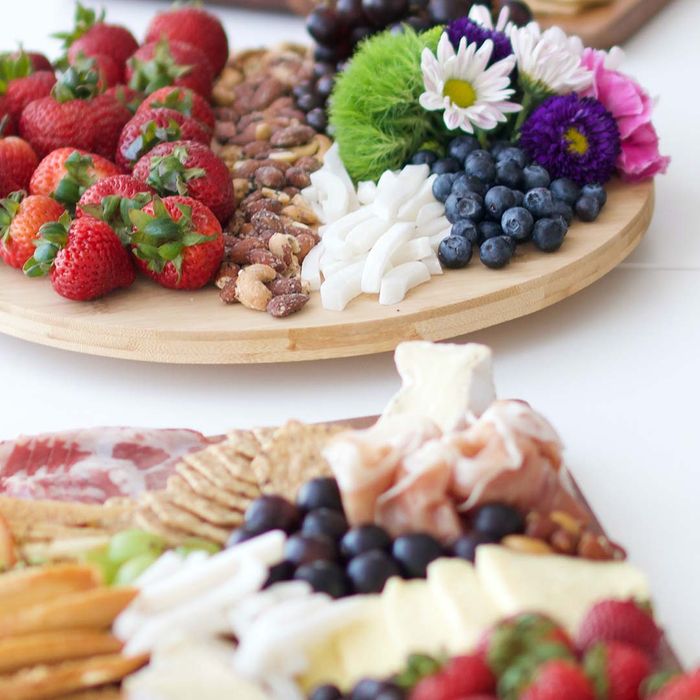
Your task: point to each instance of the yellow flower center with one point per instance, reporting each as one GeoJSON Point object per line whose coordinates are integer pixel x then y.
{"type": "Point", "coordinates": [460, 92]}
{"type": "Point", "coordinates": [578, 143]}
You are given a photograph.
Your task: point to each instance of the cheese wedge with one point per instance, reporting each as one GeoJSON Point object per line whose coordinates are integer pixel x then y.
{"type": "Point", "coordinates": [562, 587]}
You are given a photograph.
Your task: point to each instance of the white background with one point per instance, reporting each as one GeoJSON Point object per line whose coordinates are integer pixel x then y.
{"type": "Point", "coordinates": [615, 367]}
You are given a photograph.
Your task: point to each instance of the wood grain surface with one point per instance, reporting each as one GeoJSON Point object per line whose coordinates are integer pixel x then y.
{"type": "Point", "coordinates": [150, 323]}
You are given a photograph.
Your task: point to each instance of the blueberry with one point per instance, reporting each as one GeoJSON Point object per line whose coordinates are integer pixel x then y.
{"type": "Point", "coordinates": [564, 210]}
{"type": "Point", "coordinates": [497, 200]}
{"type": "Point", "coordinates": [461, 146]}
{"type": "Point", "coordinates": [455, 252]}
{"type": "Point", "coordinates": [324, 577]}
{"type": "Point", "coordinates": [271, 513]}
{"type": "Point", "coordinates": [519, 197]}
{"type": "Point", "coordinates": [481, 164]}
{"type": "Point", "coordinates": [597, 192]}
{"type": "Point", "coordinates": [548, 234]}
{"type": "Point", "coordinates": [498, 520]}
{"type": "Point", "coordinates": [283, 571]}
{"type": "Point", "coordinates": [424, 157]}
{"type": "Point", "coordinates": [489, 229]}
{"type": "Point", "coordinates": [535, 176]}
{"type": "Point", "coordinates": [414, 552]}
{"type": "Point", "coordinates": [498, 147]}
{"type": "Point", "coordinates": [517, 223]}
{"type": "Point", "coordinates": [515, 154]}
{"type": "Point", "coordinates": [509, 173]}
{"type": "Point", "coordinates": [496, 252]}
{"type": "Point", "coordinates": [322, 492]}
{"type": "Point", "coordinates": [369, 689]}
{"type": "Point", "coordinates": [326, 692]}
{"type": "Point", "coordinates": [562, 222]}
{"type": "Point", "coordinates": [566, 190]}
{"type": "Point", "coordinates": [445, 165]}
{"type": "Point", "coordinates": [304, 549]}
{"type": "Point", "coordinates": [587, 208]}
{"type": "Point", "coordinates": [465, 546]}
{"type": "Point", "coordinates": [442, 186]}
{"type": "Point", "coordinates": [539, 202]}
{"type": "Point", "coordinates": [239, 535]}
{"type": "Point", "coordinates": [464, 183]}
{"type": "Point", "coordinates": [363, 539]}
{"type": "Point", "coordinates": [471, 206]}
{"type": "Point", "coordinates": [465, 229]}
{"type": "Point", "coordinates": [326, 522]}
{"type": "Point", "coordinates": [370, 571]}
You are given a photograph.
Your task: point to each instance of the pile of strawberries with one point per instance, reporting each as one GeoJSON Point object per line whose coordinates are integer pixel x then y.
{"type": "Point", "coordinates": [105, 165]}
{"type": "Point", "coordinates": [530, 657]}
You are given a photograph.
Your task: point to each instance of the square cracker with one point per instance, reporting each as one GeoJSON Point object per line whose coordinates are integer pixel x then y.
{"type": "Point", "coordinates": [214, 467]}
{"type": "Point", "coordinates": [174, 516]}
{"type": "Point", "coordinates": [202, 485]}
{"type": "Point", "coordinates": [183, 496]}
{"type": "Point", "coordinates": [146, 519]}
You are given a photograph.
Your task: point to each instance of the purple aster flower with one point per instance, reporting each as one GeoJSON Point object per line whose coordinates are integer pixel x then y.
{"type": "Point", "coordinates": [476, 33]}
{"type": "Point", "coordinates": [574, 137]}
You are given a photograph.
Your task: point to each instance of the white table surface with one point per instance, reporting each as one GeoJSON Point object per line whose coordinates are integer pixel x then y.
{"type": "Point", "coordinates": [616, 367]}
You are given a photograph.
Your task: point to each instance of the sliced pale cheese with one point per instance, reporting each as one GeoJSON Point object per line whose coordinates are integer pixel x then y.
{"type": "Point", "coordinates": [466, 605]}
{"type": "Point", "coordinates": [410, 211]}
{"type": "Point", "coordinates": [397, 282]}
{"type": "Point", "coordinates": [365, 235]}
{"type": "Point", "coordinates": [434, 227]}
{"type": "Point", "coordinates": [443, 382]}
{"type": "Point", "coordinates": [415, 249]}
{"type": "Point", "coordinates": [429, 212]}
{"type": "Point", "coordinates": [334, 234]}
{"type": "Point", "coordinates": [343, 287]}
{"type": "Point", "coordinates": [392, 194]}
{"type": "Point", "coordinates": [563, 587]}
{"type": "Point", "coordinates": [379, 257]}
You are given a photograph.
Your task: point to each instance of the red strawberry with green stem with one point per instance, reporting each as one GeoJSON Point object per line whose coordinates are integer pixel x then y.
{"type": "Point", "coordinates": [21, 84]}
{"type": "Point", "coordinates": [181, 99]}
{"type": "Point", "coordinates": [177, 242]}
{"type": "Point", "coordinates": [681, 687]}
{"type": "Point", "coordinates": [85, 258]}
{"type": "Point", "coordinates": [21, 217]}
{"type": "Point", "coordinates": [17, 160]}
{"type": "Point", "coordinates": [130, 98]}
{"type": "Point", "coordinates": [462, 677]}
{"type": "Point", "coordinates": [194, 26]}
{"type": "Point", "coordinates": [149, 128]}
{"type": "Point", "coordinates": [164, 62]}
{"type": "Point", "coordinates": [37, 60]}
{"type": "Point", "coordinates": [189, 168]}
{"type": "Point", "coordinates": [616, 670]}
{"type": "Point", "coordinates": [553, 679]}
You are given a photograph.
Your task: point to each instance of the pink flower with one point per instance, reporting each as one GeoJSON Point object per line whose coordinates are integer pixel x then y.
{"type": "Point", "coordinates": [631, 107]}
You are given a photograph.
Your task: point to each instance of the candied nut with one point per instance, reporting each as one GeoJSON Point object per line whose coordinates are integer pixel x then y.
{"type": "Point", "coordinates": [225, 114]}
{"type": "Point", "coordinates": [245, 168]}
{"type": "Point", "coordinates": [291, 192]}
{"type": "Point", "coordinates": [564, 541]}
{"type": "Point", "coordinates": [323, 144]}
{"type": "Point", "coordinates": [223, 131]}
{"type": "Point", "coordinates": [285, 285]}
{"type": "Point", "coordinates": [281, 197]}
{"type": "Point", "coordinates": [265, 257]}
{"type": "Point", "coordinates": [539, 526]}
{"type": "Point", "coordinates": [230, 154]}
{"type": "Point", "coordinates": [241, 187]}
{"type": "Point", "coordinates": [230, 77]}
{"type": "Point", "coordinates": [267, 176]}
{"type": "Point", "coordinates": [228, 292]}
{"type": "Point", "coordinates": [280, 104]}
{"type": "Point", "coordinates": [250, 286]}
{"type": "Point", "coordinates": [268, 91]}
{"type": "Point", "coordinates": [566, 522]}
{"type": "Point", "coordinates": [240, 251]}
{"type": "Point", "coordinates": [222, 95]}
{"type": "Point", "coordinates": [292, 136]}
{"type": "Point", "coordinates": [598, 548]}
{"type": "Point", "coordinates": [263, 131]}
{"type": "Point", "coordinates": [244, 136]}
{"type": "Point", "coordinates": [281, 241]}
{"type": "Point", "coordinates": [524, 544]}
{"type": "Point", "coordinates": [308, 164]}
{"type": "Point", "coordinates": [227, 272]}
{"type": "Point", "coordinates": [264, 204]}
{"type": "Point", "coordinates": [302, 214]}
{"type": "Point", "coordinates": [268, 220]}
{"type": "Point", "coordinates": [257, 150]}
{"type": "Point", "coordinates": [306, 242]}
{"type": "Point", "coordinates": [283, 156]}
{"type": "Point", "coordinates": [298, 177]}
{"type": "Point", "coordinates": [286, 304]}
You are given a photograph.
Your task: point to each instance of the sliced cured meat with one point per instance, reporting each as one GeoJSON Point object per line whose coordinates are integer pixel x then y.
{"type": "Point", "coordinates": [93, 465]}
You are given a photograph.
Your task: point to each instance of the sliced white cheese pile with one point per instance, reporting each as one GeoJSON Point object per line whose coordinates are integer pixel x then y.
{"type": "Point", "coordinates": [381, 239]}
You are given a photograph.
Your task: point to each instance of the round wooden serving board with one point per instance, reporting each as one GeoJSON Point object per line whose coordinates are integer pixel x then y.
{"type": "Point", "coordinates": [150, 323]}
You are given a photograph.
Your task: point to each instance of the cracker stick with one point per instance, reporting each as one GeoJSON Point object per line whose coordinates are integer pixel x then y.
{"type": "Point", "coordinates": [51, 647]}
{"type": "Point", "coordinates": [55, 681]}
{"type": "Point", "coordinates": [94, 609]}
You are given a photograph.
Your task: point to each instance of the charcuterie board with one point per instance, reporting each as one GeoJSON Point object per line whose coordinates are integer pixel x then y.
{"type": "Point", "coordinates": [150, 323]}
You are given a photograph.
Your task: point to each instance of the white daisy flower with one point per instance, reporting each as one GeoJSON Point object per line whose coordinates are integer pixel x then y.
{"type": "Point", "coordinates": [459, 83]}
{"type": "Point", "coordinates": [480, 14]}
{"type": "Point", "coordinates": [550, 61]}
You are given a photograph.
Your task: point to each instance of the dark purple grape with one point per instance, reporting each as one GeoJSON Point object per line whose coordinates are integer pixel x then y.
{"type": "Point", "coordinates": [384, 12]}
{"type": "Point", "coordinates": [414, 552]}
{"type": "Point", "coordinates": [325, 522]}
{"type": "Point", "coordinates": [370, 571]}
{"type": "Point", "coordinates": [271, 513]}
{"type": "Point", "coordinates": [317, 119]}
{"type": "Point", "coordinates": [520, 13]}
{"type": "Point", "coordinates": [323, 25]}
{"type": "Point", "coordinates": [326, 692]}
{"type": "Point", "coordinates": [303, 549]}
{"type": "Point", "coordinates": [363, 539]}
{"type": "Point", "coordinates": [465, 546]}
{"type": "Point", "coordinates": [284, 571]}
{"type": "Point", "coordinates": [350, 12]}
{"type": "Point", "coordinates": [240, 535]}
{"type": "Point", "coordinates": [360, 33]}
{"type": "Point", "coordinates": [498, 519]}
{"type": "Point", "coordinates": [370, 689]}
{"type": "Point", "coordinates": [322, 492]}
{"type": "Point", "coordinates": [326, 54]}
{"type": "Point", "coordinates": [444, 11]}
{"type": "Point", "coordinates": [324, 577]}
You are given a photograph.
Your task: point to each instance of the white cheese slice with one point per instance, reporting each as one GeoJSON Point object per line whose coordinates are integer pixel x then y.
{"type": "Point", "coordinates": [443, 382]}
{"type": "Point", "coordinates": [397, 282]}
{"type": "Point", "coordinates": [379, 258]}
{"type": "Point", "coordinates": [415, 249]}
{"type": "Point", "coordinates": [365, 235]}
{"type": "Point", "coordinates": [343, 287]}
{"type": "Point", "coordinates": [394, 193]}
{"type": "Point", "coordinates": [563, 587]}
{"type": "Point", "coordinates": [410, 211]}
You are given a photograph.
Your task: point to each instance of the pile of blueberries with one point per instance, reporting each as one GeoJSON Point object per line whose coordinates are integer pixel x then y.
{"type": "Point", "coordinates": [338, 560]}
{"type": "Point", "coordinates": [498, 199]}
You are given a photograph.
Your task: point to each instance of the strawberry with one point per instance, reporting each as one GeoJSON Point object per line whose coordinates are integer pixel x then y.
{"type": "Point", "coordinates": [616, 670]}
{"type": "Point", "coordinates": [194, 26]}
{"type": "Point", "coordinates": [109, 116]}
{"type": "Point", "coordinates": [21, 218]}
{"type": "Point", "coordinates": [189, 168]}
{"type": "Point", "coordinates": [7, 121]}
{"type": "Point", "coordinates": [37, 60]}
{"type": "Point", "coordinates": [519, 636]}
{"type": "Point", "coordinates": [129, 97]}
{"type": "Point", "coordinates": [107, 68]}
{"type": "Point", "coordinates": [66, 173]}
{"type": "Point", "coordinates": [112, 199]}
{"type": "Point", "coordinates": [20, 85]}
{"type": "Point", "coordinates": [164, 62]}
{"type": "Point", "coordinates": [85, 258]}
{"type": "Point", "coordinates": [685, 687]}
{"type": "Point", "coordinates": [462, 677]}
{"type": "Point", "coordinates": [177, 241]}
{"type": "Point", "coordinates": [92, 36]}
{"type": "Point", "coordinates": [556, 679]}
{"type": "Point", "coordinates": [7, 184]}
{"type": "Point", "coordinates": [151, 127]}
{"type": "Point", "coordinates": [17, 160]}
{"type": "Point", "coordinates": [8, 552]}
{"type": "Point", "coordinates": [182, 100]}
{"type": "Point", "coordinates": [620, 621]}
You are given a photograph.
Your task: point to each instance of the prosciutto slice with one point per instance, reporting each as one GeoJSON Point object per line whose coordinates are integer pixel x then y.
{"type": "Point", "coordinates": [93, 465]}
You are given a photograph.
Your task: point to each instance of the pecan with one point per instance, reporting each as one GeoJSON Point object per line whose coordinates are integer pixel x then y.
{"type": "Point", "coordinates": [228, 291]}
{"type": "Point", "coordinates": [286, 304]}
{"type": "Point", "coordinates": [250, 286]}
{"type": "Point", "coordinates": [267, 220]}
{"type": "Point", "coordinates": [268, 91]}
{"type": "Point", "coordinates": [298, 177]}
{"type": "Point", "coordinates": [265, 204]}
{"type": "Point", "coordinates": [267, 176]}
{"type": "Point", "coordinates": [241, 249]}
{"type": "Point", "coordinates": [292, 136]}
{"type": "Point", "coordinates": [265, 257]}
{"type": "Point", "coordinates": [308, 164]}
{"type": "Point", "coordinates": [257, 149]}
{"type": "Point", "coordinates": [285, 285]}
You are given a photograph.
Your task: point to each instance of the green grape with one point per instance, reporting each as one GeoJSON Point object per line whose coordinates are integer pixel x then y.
{"type": "Point", "coordinates": [132, 569]}
{"type": "Point", "coordinates": [100, 558]}
{"type": "Point", "coordinates": [197, 544]}
{"type": "Point", "coordinates": [129, 544]}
